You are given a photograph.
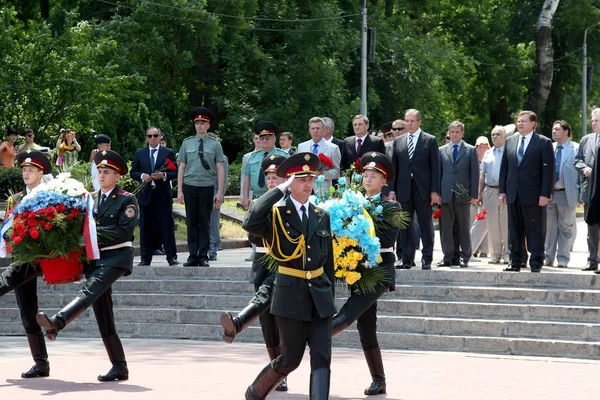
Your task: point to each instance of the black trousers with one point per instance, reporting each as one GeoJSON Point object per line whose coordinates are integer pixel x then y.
{"type": "Point", "coordinates": [422, 208]}
{"type": "Point", "coordinates": [593, 237]}
{"type": "Point", "coordinates": [97, 292]}
{"type": "Point", "coordinates": [23, 280]}
{"type": "Point", "coordinates": [294, 336]}
{"type": "Point", "coordinates": [363, 309]}
{"type": "Point", "coordinates": [268, 322]}
{"type": "Point", "coordinates": [157, 226]}
{"type": "Point", "coordinates": [198, 207]}
{"type": "Point", "coordinates": [455, 226]}
{"type": "Point", "coordinates": [526, 222]}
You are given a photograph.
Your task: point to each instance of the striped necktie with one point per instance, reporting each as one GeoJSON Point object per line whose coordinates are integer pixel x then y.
{"type": "Point", "coordinates": [411, 146]}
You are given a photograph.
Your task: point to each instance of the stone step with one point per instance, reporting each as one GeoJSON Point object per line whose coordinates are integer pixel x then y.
{"type": "Point", "coordinates": [385, 323]}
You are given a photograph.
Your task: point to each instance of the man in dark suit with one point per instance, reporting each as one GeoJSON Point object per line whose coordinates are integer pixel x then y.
{"type": "Point", "coordinates": [416, 158]}
{"type": "Point", "coordinates": [584, 162]}
{"type": "Point", "coordinates": [155, 199]}
{"type": "Point", "coordinates": [116, 214]}
{"type": "Point", "coordinates": [22, 278]}
{"type": "Point", "coordinates": [303, 296]}
{"type": "Point", "coordinates": [526, 183]}
{"type": "Point", "coordinates": [460, 180]}
{"type": "Point", "coordinates": [356, 146]}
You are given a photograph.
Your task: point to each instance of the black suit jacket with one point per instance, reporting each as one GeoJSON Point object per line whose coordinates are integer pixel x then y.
{"type": "Point", "coordinates": [294, 297]}
{"type": "Point", "coordinates": [348, 150]}
{"type": "Point", "coordinates": [116, 219]}
{"type": "Point", "coordinates": [141, 165]}
{"type": "Point", "coordinates": [424, 167]}
{"type": "Point", "coordinates": [534, 177]}
{"type": "Point", "coordinates": [339, 143]}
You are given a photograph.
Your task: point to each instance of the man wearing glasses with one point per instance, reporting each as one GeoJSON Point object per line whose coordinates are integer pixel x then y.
{"type": "Point", "coordinates": [29, 141]}
{"type": "Point", "coordinates": [200, 168]}
{"type": "Point", "coordinates": [155, 199]}
{"type": "Point", "coordinates": [254, 177]}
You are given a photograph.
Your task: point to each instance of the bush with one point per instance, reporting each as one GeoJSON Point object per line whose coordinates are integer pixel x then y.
{"type": "Point", "coordinates": [233, 179]}
{"type": "Point", "coordinates": [11, 181]}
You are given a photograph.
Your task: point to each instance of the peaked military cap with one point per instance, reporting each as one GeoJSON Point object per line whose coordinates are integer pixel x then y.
{"type": "Point", "coordinates": [378, 162]}
{"type": "Point", "coordinates": [202, 114]}
{"type": "Point", "coordinates": [35, 158]}
{"type": "Point", "coordinates": [387, 129]}
{"type": "Point", "coordinates": [271, 162]}
{"type": "Point", "coordinates": [110, 159]}
{"type": "Point", "coordinates": [102, 139]}
{"type": "Point", "coordinates": [266, 128]}
{"type": "Point", "coordinates": [300, 164]}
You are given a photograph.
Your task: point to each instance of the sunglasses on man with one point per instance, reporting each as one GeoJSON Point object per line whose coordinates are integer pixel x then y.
{"type": "Point", "coordinates": [398, 129]}
{"type": "Point", "coordinates": [153, 136]}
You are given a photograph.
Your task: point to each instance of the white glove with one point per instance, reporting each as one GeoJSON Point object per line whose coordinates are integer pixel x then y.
{"type": "Point", "coordinates": [283, 186]}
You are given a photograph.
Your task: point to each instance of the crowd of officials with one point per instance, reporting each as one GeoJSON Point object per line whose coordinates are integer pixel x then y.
{"type": "Point", "coordinates": [515, 200]}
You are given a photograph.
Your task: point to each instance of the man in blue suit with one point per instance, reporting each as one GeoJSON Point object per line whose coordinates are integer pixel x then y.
{"type": "Point", "coordinates": [155, 199]}
{"type": "Point", "coordinates": [561, 228]}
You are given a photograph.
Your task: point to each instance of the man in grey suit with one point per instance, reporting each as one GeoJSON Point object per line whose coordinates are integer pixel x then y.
{"type": "Point", "coordinates": [460, 173]}
{"type": "Point", "coordinates": [416, 159]}
{"type": "Point", "coordinates": [584, 161]}
{"type": "Point", "coordinates": [319, 145]}
{"type": "Point", "coordinates": [526, 182]}
{"type": "Point", "coordinates": [561, 228]}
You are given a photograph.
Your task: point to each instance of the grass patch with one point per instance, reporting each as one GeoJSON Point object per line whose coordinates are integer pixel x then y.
{"type": "Point", "coordinates": [233, 205]}
{"type": "Point", "coordinates": [229, 230]}
{"type": "Point", "coordinates": [180, 232]}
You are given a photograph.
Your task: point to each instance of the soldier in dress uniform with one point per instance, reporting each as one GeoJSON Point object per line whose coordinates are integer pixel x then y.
{"type": "Point", "coordinates": [263, 280]}
{"type": "Point", "coordinates": [116, 213]}
{"type": "Point", "coordinates": [377, 171]}
{"type": "Point", "coordinates": [23, 278]}
{"type": "Point", "coordinates": [253, 175]}
{"type": "Point", "coordinates": [298, 235]}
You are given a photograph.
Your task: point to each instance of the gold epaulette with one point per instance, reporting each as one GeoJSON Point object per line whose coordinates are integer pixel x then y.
{"type": "Point", "coordinates": [275, 242]}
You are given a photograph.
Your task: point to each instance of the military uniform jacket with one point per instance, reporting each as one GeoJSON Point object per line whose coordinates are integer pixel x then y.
{"type": "Point", "coordinates": [387, 235]}
{"type": "Point", "coordinates": [294, 297]}
{"type": "Point", "coordinates": [116, 219]}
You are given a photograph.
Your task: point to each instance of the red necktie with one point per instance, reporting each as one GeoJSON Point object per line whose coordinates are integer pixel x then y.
{"type": "Point", "coordinates": [359, 141]}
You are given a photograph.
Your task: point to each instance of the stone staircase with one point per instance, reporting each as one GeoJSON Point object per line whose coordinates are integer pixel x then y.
{"type": "Point", "coordinates": [548, 314]}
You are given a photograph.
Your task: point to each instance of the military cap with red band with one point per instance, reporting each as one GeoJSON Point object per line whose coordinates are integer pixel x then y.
{"type": "Point", "coordinates": [387, 128]}
{"type": "Point", "coordinates": [266, 128]}
{"type": "Point", "coordinates": [271, 162]}
{"type": "Point", "coordinates": [378, 162]}
{"type": "Point", "coordinates": [202, 114]}
{"type": "Point", "coordinates": [300, 164]}
{"type": "Point", "coordinates": [110, 159]}
{"type": "Point", "coordinates": [34, 158]}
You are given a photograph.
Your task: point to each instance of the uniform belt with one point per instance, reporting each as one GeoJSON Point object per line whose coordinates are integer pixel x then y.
{"type": "Point", "coordinates": [492, 186]}
{"type": "Point", "coordinates": [117, 246]}
{"type": "Point", "coordinates": [387, 250]}
{"type": "Point", "coordinates": [262, 250]}
{"type": "Point", "coordinates": [300, 273]}
{"type": "Point", "coordinates": [559, 190]}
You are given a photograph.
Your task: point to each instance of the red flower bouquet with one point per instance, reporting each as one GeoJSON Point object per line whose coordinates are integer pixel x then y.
{"type": "Point", "coordinates": [481, 215]}
{"type": "Point", "coordinates": [326, 162]}
{"type": "Point", "coordinates": [437, 213]}
{"type": "Point", "coordinates": [167, 166]}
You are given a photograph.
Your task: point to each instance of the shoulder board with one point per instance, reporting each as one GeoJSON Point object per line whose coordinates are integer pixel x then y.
{"type": "Point", "coordinates": [280, 203]}
{"type": "Point", "coordinates": [124, 193]}
{"type": "Point", "coordinates": [188, 138]}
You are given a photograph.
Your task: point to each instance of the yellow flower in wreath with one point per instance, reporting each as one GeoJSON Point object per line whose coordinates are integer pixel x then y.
{"type": "Point", "coordinates": [352, 277]}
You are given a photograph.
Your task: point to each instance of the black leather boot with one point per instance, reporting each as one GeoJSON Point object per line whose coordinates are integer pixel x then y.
{"type": "Point", "coordinates": [234, 325]}
{"type": "Point", "coordinates": [338, 324]}
{"type": "Point", "coordinates": [319, 384]}
{"type": "Point", "coordinates": [63, 318]}
{"type": "Point", "coordinates": [264, 384]}
{"type": "Point", "coordinates": [375, 363]}
{"type": "Point", "coordinates": [37, 345]}
{"type": "Point", "coordinates": [274, 352]}
{"type": "Point", "coordinates": [116, 355]}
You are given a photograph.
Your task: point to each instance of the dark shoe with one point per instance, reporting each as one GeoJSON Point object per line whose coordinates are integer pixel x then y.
{"type": "Point", "coordinates": [464, 264]}
{"type": "Point", "coordinates": [536, 270]}
{"type": "Point", "coordinates": [338, 324]}
{"type": "Point", "coordinates": [158, 252]}
{"type": "Point", "coordinates": [191, 264]}
{"type": "Point", "coordinates": [37, 345]}
{"type": "Point", "coordinates": [319, 384]}
{"type": "Point", "coordinates": [144, 263]}
{"type": "Point", "coordinates": [401, 265]}
{"type": "Point", "coordinates": [54, 324]}
{"type": "Point", "coordinates": [512, 268]}
{"type": "Point", "coordinates": [265, 382]}
{"type": "Point", "coordinates": [203, 263]}
{"type": "Point", "coordinates": [590, 267]}
{"type": "Point", "coordinates": [482, 255]}
{"type": "Point", "coordinates": [597, 272]}
{"type": "Point", "coordinates": [443, 264]}
{"type": "Point", "coordinates": [455, 263]}
{"type": "Point", "coordinates": [172, 262]}
{"type": "Point", "coordinates": [116, 355]}
{"type": "Point", "coordinates": [426, 267]}
{"type": "Point", "coordinates": [212, 257]}
{"type": "Point", "coordinates": [283, 387]}
{"type": "Point", "coordinates": [375, 363]}
{"type": "Point", "coordinates": [234, 325]}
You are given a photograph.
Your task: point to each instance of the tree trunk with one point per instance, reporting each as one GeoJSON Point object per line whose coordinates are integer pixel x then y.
{"type": "Point", "coordinates": [545, 58]}
{"type": "Point", "coordinates": [45, 8]}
